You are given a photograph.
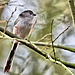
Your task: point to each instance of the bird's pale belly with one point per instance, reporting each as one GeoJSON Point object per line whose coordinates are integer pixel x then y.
{"type": "Point", "coordinates": [21, 31]}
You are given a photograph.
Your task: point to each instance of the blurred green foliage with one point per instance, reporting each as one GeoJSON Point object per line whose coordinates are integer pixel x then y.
{"type": "Point", "coordinates": [48, 10]}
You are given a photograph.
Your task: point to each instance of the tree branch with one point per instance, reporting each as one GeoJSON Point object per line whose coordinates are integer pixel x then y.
{"type": "Point", "coordinates": [37, 49]}
{"type": "Point", "coordinates": [71, 65]}
{"type": "Point", "coordinates": [8, 33]}
{"type": "Point", "coordinates": [61, 33]}
{"type": "Point", "coordinates": [39, 43]}
{"type": "Point", "coordinates": [55, 45]}
{"type": "Point", "coordinates": [52, 40]}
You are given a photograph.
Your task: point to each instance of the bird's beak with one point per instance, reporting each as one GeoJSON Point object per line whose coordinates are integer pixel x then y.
{"type": "Point", "coordinates": [34, 14]}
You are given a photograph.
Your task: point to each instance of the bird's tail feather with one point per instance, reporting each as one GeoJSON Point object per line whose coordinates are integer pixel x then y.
{"type": "Point", "coordinates": [10, 57]}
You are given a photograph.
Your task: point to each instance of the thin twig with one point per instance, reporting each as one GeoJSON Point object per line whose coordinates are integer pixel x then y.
{"type": "Point", "coordinates": [46, 55]}
{"type": "Point", "coordinates": [44, 37]}
{"type": "Point", "coordinates": [70, 65]}
{"type": "Point", "coordinates": [12, 15]}
{"type": "Point", "coordinates": [55, 46]}
{"type": "Point", "coordinates": [9, 19]}
{"type": "Point", "coordinates": [52, 40]}
{"type": "Point", "coordinates": [6, 2]}
{"type": "Point", "coordinates": [51, 29]}
{"type": "Point", "coordinates": [61, 33]}
{"type": "Point", "coordinates": [72, 9]}
{"type": "Point", "coordinates": [34, 47]}
{"type": "Point", "coordinates": [17, 5]}
{"type": "Point", "coordinates": [32, 29]}
{"type": "Point", "coordinates": [59, 63]}
{"type": "Point", "coordinates": [40, 43]}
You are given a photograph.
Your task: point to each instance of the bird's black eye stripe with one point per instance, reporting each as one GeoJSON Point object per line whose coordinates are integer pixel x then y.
{"type": "Point", "coordinates": [30, 12]}
{"type": "Point", "coordinates": [21, 15]}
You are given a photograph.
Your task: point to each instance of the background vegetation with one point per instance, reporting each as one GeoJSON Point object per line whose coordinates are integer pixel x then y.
{"type": "Point", "coordinates": [27, 61]}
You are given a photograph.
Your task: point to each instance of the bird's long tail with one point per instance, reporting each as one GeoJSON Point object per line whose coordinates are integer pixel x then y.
{"type": "Point", "coordinates": [10, 57]}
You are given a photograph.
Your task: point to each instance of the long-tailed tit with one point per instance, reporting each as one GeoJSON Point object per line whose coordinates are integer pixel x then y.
{"type": "Point", "coordinates": [22, 27]}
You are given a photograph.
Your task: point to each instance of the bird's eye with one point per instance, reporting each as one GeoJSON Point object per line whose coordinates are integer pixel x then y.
{"type": "Point", "coordinates": [31, 13]}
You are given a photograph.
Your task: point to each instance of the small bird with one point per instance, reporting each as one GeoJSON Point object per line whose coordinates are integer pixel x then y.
{"type": "Point", "coordinates": [22, 27]}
